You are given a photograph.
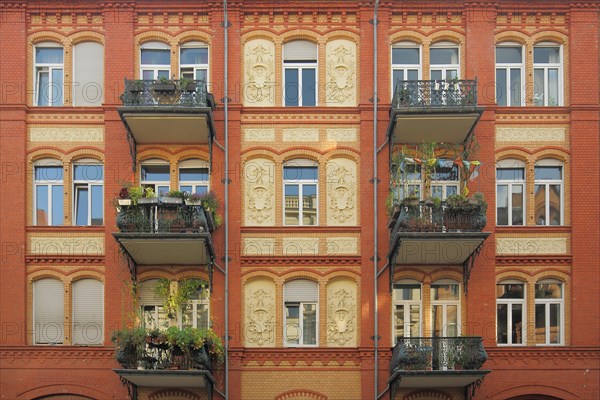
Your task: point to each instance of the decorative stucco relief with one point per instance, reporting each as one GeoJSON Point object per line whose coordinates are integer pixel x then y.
{"type": "Point", "coordinates": [341, 192]}
{"type": "Point", "coordinates": [530, 134]}
{"type": "Point", "coordinates": [340, 83]}
{"type": "Point", "coordinates": [259, 134]}
{"type": "Point", "coordinates": [342, 246]}
{"type": "Point", "coordinates": [301, 135]}
{"type": "Point", "coordinates": [342, 134]}
{"type": "Point", "coordinates": [66, 134]}
{"type": "Point", "coordinates": [259, 181]}
{"type": "Point", "coordinates": [259, 73]}
{"type": "Point", "coordinates": [66, 246]}
{"type": "Point", "coordinates": [259, 247]}
{"type": "Point", "coordinates": [260, 314]}
{"type": "Point", "coordinates": [531, 246]}
{"type": "Point", "coordinates": [300, 246]}
{"type": "Point", "coordinates": [341, 314]}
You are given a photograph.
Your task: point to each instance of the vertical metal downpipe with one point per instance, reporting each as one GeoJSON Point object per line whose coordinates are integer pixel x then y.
{"type": "Point", "coordinates": [375, 200]}
{"type": "Point", "coordinates": [226, 222]}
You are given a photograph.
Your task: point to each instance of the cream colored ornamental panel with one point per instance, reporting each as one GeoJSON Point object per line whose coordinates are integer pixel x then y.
{"type": "Point", "coordinates": [531, 246]}
{"type": "Point", "coordinates": [259, 321]}
{"type": "Point", "coordinates": [66, 134]}
{"type": "Point", "coordinates": [341, 314]}
{"type": "Point", "coordinates": [259, 192]}
{"type": "Point", "coordinates": [341, 71]}
{"type": "Point", "coordinates": [259, 73]}
{"type": "Point", "coordinates": [341, 192]}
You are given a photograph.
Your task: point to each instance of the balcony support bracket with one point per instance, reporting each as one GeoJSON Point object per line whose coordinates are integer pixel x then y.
{"type": "Point", "coordinates": [131, 389]}
{"type": "Point", "coordinates": [472, 387]}
{"type": "Point", "coordinates": [468, 266]}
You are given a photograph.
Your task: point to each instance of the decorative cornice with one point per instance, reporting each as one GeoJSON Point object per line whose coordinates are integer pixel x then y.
{"type": "Point", "coordinates": [299, 230]}
{"type": "Point", "coordinates": [534, 260]}
{"type": "Point", "coordinates": [65, 229]}
{"type": "Point", "coordinates": [12, 353]}
{"type": "Point", "coordinates": [305, 357]}
{"type": "Point", "coordinates": [13, 5]}
{"type": "Point", "coordinates": [497, 353]}
{"type": "Point", "coordinates": [280, 261]}
{"type": "Point", "coordinates": [62, 259]}
{"type": "Point", "coordinates": [533, 229]}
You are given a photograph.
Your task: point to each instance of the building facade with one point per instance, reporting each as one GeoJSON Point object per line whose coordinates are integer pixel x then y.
{"type": "Point", "coordinates": [406, 199]}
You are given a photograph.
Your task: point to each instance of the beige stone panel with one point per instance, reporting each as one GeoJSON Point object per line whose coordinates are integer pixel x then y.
{"type": "Point", "coordinates": [66, 246]}
{"type": "Point", "coordinates": [259, 134]}
{"type": "Point", "coordinates": [340, 75]}
{"type": "Point", "coordinates": [259, 73]}
{"type": "Point", "coordinates": [342, 246]}
{"type": "Point", "coordinates": [66, 134]}
{"type": "Point", "coordinates": [342, 134]}
{"type": "Point", "coordinates": [333, 385]}
{"type": "Point", "coordinates": [296, 246]}
{"type": "Point", "coordinates": [301, 135]}
{"type": "Point", "coordinates": [531, 246]}
{"type": "Point", "coordinates": [530, 134]}
{"type": "Point", "coordinates": [259, 319]}
{"type": "Point", "coordinates": [259, 192]}
{"type": "Point", "coordinates": [341, 314]}
{"type": "Point", "coordinates": [259, 246]}
{"type": "Point", "coordinates": [341, 192]}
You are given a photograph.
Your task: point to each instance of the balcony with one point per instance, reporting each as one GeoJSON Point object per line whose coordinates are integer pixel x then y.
{"type": "Point", "coordinates": [163, 231]}
{"type": "Point", "coordinates": [437, 362]}
{"type": "Point", "coordinates": [442, 111]}
{"type": "Point", "coordinates": [446, 233]}
{"type": "Point", "coordinates": [167, 111]}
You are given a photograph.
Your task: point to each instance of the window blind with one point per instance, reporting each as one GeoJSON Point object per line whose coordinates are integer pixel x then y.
{"type": "Point", "coordinates": [48, 311]}
{"type": "Point", "coordinates": [88, 312]}
{"type": "Point", "coordinates": [301, 290]}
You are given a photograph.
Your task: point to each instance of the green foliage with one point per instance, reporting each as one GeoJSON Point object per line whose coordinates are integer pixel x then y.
{"type": "Point", "coordinates": [135, 193]}
{"type": "Point", "coordinates": [186, 291]}
{"type": "Point", "coordinates": [189, 339]}
{"type": "Point", "coordinates": [176, 193]}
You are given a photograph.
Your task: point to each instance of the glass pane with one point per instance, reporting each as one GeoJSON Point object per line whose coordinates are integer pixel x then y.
{"type": "Point", "coordinates": [162, 190]}
{"type": "Point", "coordinates": [194, 55]}
{"type": "Point", "coordinates": [57, 205]}
{"type": "Point", "coordinates": [444, 56]}
{"type": "Point", "coordinates": [57, 87]}
{"type": "Point", "coordinates": [292, 205]}
{"type": "Point", "coordinates": [452, 321]}
{"type": "Point", "coordinates": [163, 74]}
{"type": "Point", "coordinates": [538, 87]}
{"type": "Point", "coordinates": [187, 315]}
{"type": "Point", "coordinates": [97, 205]}
{"type": "Point", "coordinates": [291, 173]}
{"type": "Point", "coordinates": [43, 91]}
{"type": "Point", "coordinates": [515, 86]}
{"type": "Point", "coordinates": [553, 87]}
{"type": "Point", "coordinates": [414, 191]}
{"type": "Point", "coordinates": [510, 174]}
{"type": "Point", "coordinates": [502, 323]}
{"type": "Point", "coordinates": [42, 209]}
{"type": "Point", "coordinates": [81, 206]}
{"type": "Point", "coordinates": [201, 189]}
{"type": "Point", "coordinates": [309, 324]}
{"type": "Point", "coordinates": [517, 323]}
{"type": "Point", "coordinates": [309, 89]}
{"type": "Point", "coordinates": [413, 74]}
{"type": "Point", "coordinates": [185, 188]}
{"type": "Point", "coordinates": [445, 292]}
{"type": "Point", "coordinates": [407, 292]}
{"type": "Point", "coordinates": [155, 172]}
{"type": "Point", "coordinates": [202, 316]}
{"type": "Point", "coordinates": [292, 324]}
{"type": "Point", "coordinates": [156, 57]}
{"type": "Point", "coordinates": [193, 174]}
{"type": "Point", "coordinates": [501, 87]}
{"type": "Point", "coordinates": [546, 55]}
{"type": "Point", "coordinates": [309, 204]}
{"type": "Point", "coordinates": [548, 291]}
{"type": "Point", "coordinates": [438, 321]}
{"type": "Point", "coordinates": [49, 173]}
{"type": "Point", "coordinates": [89, 173]}
{"type": "Point", "coordinates": [555, 204]}
{"type": "Point", "coordinates": [436, 74]}
{"type": "Point", "coordinates": [405, 56]}
{"type": "Point", "coordinates": [548, 172]}
{"type": "Point", "coordinates": [555, 323]}
{"type": "Point", "coordinates": [517, 205]}
{"type": "Point", "coordinates": [510, 291]}
{"type": "Point", "coordinates": [398, 75]}
{"type": "Point", "coordinates": [445, 173]}
{"type": "Point", "coordinates": [451, 74]}
{"type": "Point", "coordinates": [148, 74]}
{"type": "Point", "coordinates": [540, 204]}
{"type": "Point", "coordinates": [399, 321]}
{"type": "Point", "coordinates": [508, 55]}
{"type": "Point", "coordinates": [540, 323]}
{"type": "Point", "coordinates": [292, 89]}
{"type": "Point", "coordinates": [49, 55]}
{"type": "Point", "coordinates": [415, 320]}
{"type": "Point", "coordinates": [502, 205]}
{"type": "Point", "coordinates": [437, 191]}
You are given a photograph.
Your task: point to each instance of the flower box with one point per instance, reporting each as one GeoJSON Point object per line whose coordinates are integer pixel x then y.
{"type": "Point", "coordinates": [124, 202]}
{"type": "Point", "coordinates": [164, 87]}
{"type": "Point", "coordinates": [171, 200]}
{"type": "Point", "coordinates": [148, 200]}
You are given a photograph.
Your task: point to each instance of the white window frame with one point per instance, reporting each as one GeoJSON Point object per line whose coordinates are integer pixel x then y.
{"type": "Point", "coordinates": [406, 67]}
{"type": "Point", "coordinates": [551, 182]}
{"type": "Point", "coordinates": [407, 183]}
{"type": "Point", "coordinates": [407, 309]}
{"type": "Point", "coordinates": [300, 184]}
{"type": "Point", "coordinates": [546, 67]}
{"type": "Point", "coordinates": [61, 325]}
{"type": "Point", "coordinates": [507, 67]}
{"type": "Point", "coordinates": [509, 303]}
{"type": "Point", "coordinates": [194, 67]}
{"type": "Point", "coordinates": [547, 303]}
{"type": "Point", "coordinates": [299, 66]}
{"type": "Point", "coordinates": [445, 184]}
{"type": "Point", "coordinates": [193, 163]}
{"type": "Point", "coordinates": [445, 67]}
{"type": "Point", "coordinates": [89, 184]}
{"type": "Point", "coordinates": [204, 300]}
{"type": "Point", "coordinates": [512, 164]}
{"type": "Point", "coordinates": [156, 303]}
{"type": "Point", "coordinates": [300, 305]}
{"type": "Point", "coordinates": [445, 304]}
{"type": "Point", "coordinates": [50, 184]}
{"type": "Point", "coordinates": [155, 45]}
{"type": "Point", "coordinates": [50, 67]}
{"type": "Point", "coordinates": [155, 184]}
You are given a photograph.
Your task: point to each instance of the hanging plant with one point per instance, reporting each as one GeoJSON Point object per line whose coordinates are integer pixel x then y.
{"type": "Point", "coordinates": [187, 290]}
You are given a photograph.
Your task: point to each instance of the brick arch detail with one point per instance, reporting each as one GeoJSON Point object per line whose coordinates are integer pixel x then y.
{"type": "Point", "coordinates": [258, 34]}
{"type": "Point", "coordinates": [311, 35]}
{"type": "Point", "coordinates": [427, 394]}
{"type": "Point", "coordinates": [301, 394]}
{"type": "Point", "coordinates": [511, 36]}
{"type": "Point", "coordinates": [70, 388]}
{"type": "Point", "coordinates": [411, 36]}
{"type": "Point", "coordinates": [170, 394]}
{"type": "Point", "coordinates": [346, 34]}
{"type": "Point", "coordinates": [81, 36]}
{"type": "Point", "coordinates": [519, 275]}
{"type": "Point", "coordinates": [550, 36]}
{"type": "Point", "coordinates": [447, 274]}
{"type": "Point", "coordinates": [155, 274]}
{"type": "Point", "coordinates": [86, 274]}
{"type": "Point", "coordinates": [415, 274]}
{"type": "Point", "coordinates": [46, 274]}
{"type": "Point", "coordinates": [336, 275]}
{"type": "Point", "coordinates": [551, 274]}
{"type": "Point", "coordinates": [193, 35]}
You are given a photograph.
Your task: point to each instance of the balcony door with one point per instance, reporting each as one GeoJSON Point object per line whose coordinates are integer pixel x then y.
{"type": "Point", "coordinates": [445, 320]}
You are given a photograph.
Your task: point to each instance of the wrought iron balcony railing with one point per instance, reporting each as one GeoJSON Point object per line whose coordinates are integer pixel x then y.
{"type": "Point", "coordinates": [157, 217]}
{"type": "Point", "coordinates": [169, 93]}
{"type": "Point", "coordinates": [162, 356]}
{"type": "Point", "coordinates": [438, 354]}
{"type": "Point", "coordinates": [435, 94]}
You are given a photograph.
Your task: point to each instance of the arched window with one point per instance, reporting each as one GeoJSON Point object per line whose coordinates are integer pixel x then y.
{"type": "Point", "coordinates": [444, 61]}
{"type": "Point", "coordinates": [407, 309]}
{"type": "Point", "coordinates": [300, 188]}
{"type": "Point", "coordinates": [88, 312]}
{"type": "Point", "coordinates": [510, 74]}
{"type": "Point", "coordinates": [510, 312]}
{"type": "Point", "coordinates": [510, 189]}
{"type": "Point", "coordinates": [300, 73]}
{"type": "Point", "coordinates": [194, 176]}
{"type": "Point", "coordinates": [548, 192]}
{"type": "Point", "coordinates": [406, 63]}
{"type": "Point", "coordinates": [301, 313]}
{"type": "Point", "coordinates": [48, 311]}
{"type": "Point", "coordinates": [48, 193]}
{"type": "Point", "coordinates": [48, 74]}
{"type": "Point", "coordinates": [547, 74]}
{"type": "Point", "coordinates": [155, 61]}
{"type": "Point", "coordinates": [88, 74]}
{"type": "Point", "coordinates": [549, 312]}
{"type": "Point", "coordinates": [445, 308]}
{"type": "Point", "coordinates": [193, 61]}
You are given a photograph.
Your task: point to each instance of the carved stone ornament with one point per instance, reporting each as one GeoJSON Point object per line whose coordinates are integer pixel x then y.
{"type": "Point", "coordinates": [341, 316]}
{"type": "Point", "coordinates": [260, 193]}
{"type": "Point", "coordinates": [260, 317]}
{"type": "Point", "coordinates": [259, 74]}
{"type": "Point", "coordinates": [341, 189]}
{"type": "Point", "coordinates": [340, 75]}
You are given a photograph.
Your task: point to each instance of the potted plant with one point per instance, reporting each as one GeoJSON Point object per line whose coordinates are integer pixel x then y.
{"type": "Point", "coordinates": [187, 85]}
{"type": "Point", "coordinates": [194, 199]}
{"type": "Point", "coordinates": [173, 197]}
{"type": "Point", "coordinates": [129, 346]}
{"type": "Point", "coordinates": [136, 86]}
{"type": "Point", "coordinates": [149, 197]}
{"type": "Point", "coordinates": [123, 197]}
{"type": "Point", "coordinates": [164, 85]}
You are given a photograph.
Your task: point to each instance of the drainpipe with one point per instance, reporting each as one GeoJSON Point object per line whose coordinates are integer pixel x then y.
{"type": "Point", "coordinates": [226, 142]}
{"type": "Point", "coordinates": [375, 200]}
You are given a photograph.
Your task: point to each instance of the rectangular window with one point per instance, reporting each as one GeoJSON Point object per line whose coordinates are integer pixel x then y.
{"type": "Point", "coordinates": [510, 200]}
{"type": "Point", "coordinates": [301, 313]}
{"type": "Point", "coordinates": [510, 305]}
{"type": "Point", "coordinates": [49, 80]}
{"type": "Point", "coordinates": [410, 181]}
{"type": "Point", "coordinates": [155, 61]}
{"type": "Point", "coordinates": [300, 195]}
{"type": "Point", "coordinates": [548, 195]}
{"type": "Point", "coordinates": [157, 177]}
{"type": "Point", "coordinates": [406, 70]}
{"type": "Point", "coordinates": [88, 189]}
{"type": "Point", "coordinates": [194, 63]}
{"type": "Point", "coordinates": [549, 324]}
{"type": "Point", "coordinates": [195, 313]}
{"type": "Point", "coordinates": [300, 73]}
{"type": "Point", "coordinates": [547, 76]}
{"type": "Point", "coordinates": [509, 76]}
{"type": "Point", "coordinates": [193, 180]}
{"type": "Point", "coordinates": [407, 310]}
{"type": "Point", "coordinates": [444, 182]}
{"type": "Point", "coordinates": [49, 202]}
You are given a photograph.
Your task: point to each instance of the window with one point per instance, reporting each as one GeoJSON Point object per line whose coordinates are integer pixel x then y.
{"type": "Point", "coordinates": [510, 189]}
{"type": "Point", "coordinates": [411, 180]}
{"type": "Point", "coordinates": [193, 61]}
{"type": "Point", "coordinates": [48, 311]}
{"type": "Point", "coordinates": [49, 74]}
{"type": "Point", "coordinates": [88, 188]}
{"type": "Point", "coordinates": [444, 181]}
{"type": "Point", "coordinates": [301, 318]}
{"type": "Point", "coordinates": [195, 313]}
{"type": "Point", "coordinates": [193, 176]}
{"type": "Point", "coordinates": [88, 312]}
{"type": "Point", "coordinates": [548, 192]}
{"type": "Point", "coordinates": [155, 174]}
{"type": "Point", "coordinates": [549, 308]}
{"type": "Point", "coordinates": [155, 61]}
{"type": "Point", "coordinates": [300, 178]}
{"type": "Point", "coordinates": [444, 64]}
{"type": "Point", "coordinates": [407, 309]}
{"type": "Point", "coordinates": [547, 75]}
{"type": "Point", "coordinates": [300, 73]}
{"type": "Point", "coordinates": [510, 313]}
{"type": "Point", "coordinates": [406, 63]}
{"type": "Point", "coordinates": [154, 315]}
{"type": "Point", "coordinates": [509, 75]}
{"type": "Point", "coordinates": [88, 74]}
{"type": "Point", "coordinates": [445, 308]}
{"type": "Point", "coordinates": [48, 194]}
